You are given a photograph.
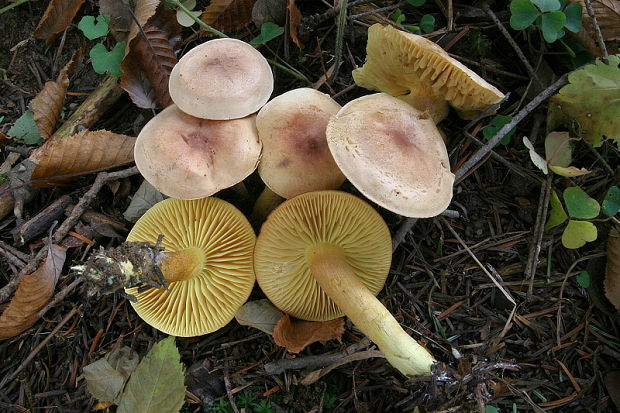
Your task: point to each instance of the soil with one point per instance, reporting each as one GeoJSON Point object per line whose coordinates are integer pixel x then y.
{"type": "Point", "coordinates": [557, 351]}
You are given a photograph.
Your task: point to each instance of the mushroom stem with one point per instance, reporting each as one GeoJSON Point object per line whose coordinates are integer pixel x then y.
{"type": "Point", "coordinates": [266, 202]}
{"type": "Point", "coordinates": [183, 264]}
{"type": "Point", "coordinates": [340, 283]}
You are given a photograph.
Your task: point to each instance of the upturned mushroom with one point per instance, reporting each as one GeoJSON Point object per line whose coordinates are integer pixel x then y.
{"type": "Point", "coordinates": [186, 157]}
{"type": "Point", "coordinates": [207, 262]}
{"type": "Point", "coordinates": [327, 253]}
{"type": "Point", "coordinates": [393, 153]}
{"type": "Point", "coordinates": [221, 79]}
{"type": "Point", "coordinates": [422, 74]}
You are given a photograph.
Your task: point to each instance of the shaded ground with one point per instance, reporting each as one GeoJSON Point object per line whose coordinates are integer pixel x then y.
{"type": "Point", "coordinates": [554, 353]}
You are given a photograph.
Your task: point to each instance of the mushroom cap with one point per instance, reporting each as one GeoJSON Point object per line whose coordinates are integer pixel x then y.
{"type": "Point", "coordinates": [221, 79]}
{"type": "Point", "coordinates": [208, 300]}
{"type": "Point", "coordinates": [422, 74]}
{"type": "Point", "coordinates": [302, 223]}
{"type": "Point", "coordinates": [189, 158]}
{"type": "Point", "coordinates": [393, 154]}
{"type": "Point", "coordinates": [296, 158]}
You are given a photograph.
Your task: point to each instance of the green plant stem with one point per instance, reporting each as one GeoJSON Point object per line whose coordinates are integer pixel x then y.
{"type": "Point", "coordinates": [12, 6]}
{"type": "Point", "coordinates": [290, 71]}
{"type": "Point", "coordinates": [204, 25]}
{"type": "Point", "coordinates": [342, 21]}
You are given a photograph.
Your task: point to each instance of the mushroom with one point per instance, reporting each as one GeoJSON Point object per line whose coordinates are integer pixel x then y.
{"type": "Point", "coordinates": [208, 265]}
{"type": "Point", "coordinates": [221, 79]}
{"type": "Point", "coordinates": [422, 74]}
{"type": "Point", "coordinates": [189, 158]}
{"type": "Point", "coordinates": [392, 153]}
{"type": "Point", "coordinates": [295, 158]}
{"type": "Point", "coordinates": [325, 253]}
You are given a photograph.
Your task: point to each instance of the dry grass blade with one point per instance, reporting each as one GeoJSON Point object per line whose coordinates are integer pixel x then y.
{"type": "Point", "coordinates": [228, 15]}
{"type": "Point", "coordinates": [612, 272]}
{"type": "Point", "coordinates": [295, 334]}
{"type": "Point", "coordinates": [33, 293]}
{"type": "Point", "coordinates": [57, 17]}
{"type": "Point", "coordinates": [47, 105]}
{"type": "Point", "coordinates": [152, 58]}
{"type": "Point", "coordinates": [84, 152]}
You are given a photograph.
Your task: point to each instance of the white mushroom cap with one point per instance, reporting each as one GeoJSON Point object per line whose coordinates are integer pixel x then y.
{"type": "Point", "coordinates": [221, 79]}
{"type": "Point", "coordinates": [296, 158]}
{"type": "Point", "coordinates": [189, 158]}
{"type": "Point", "coordinates": [393, 154]}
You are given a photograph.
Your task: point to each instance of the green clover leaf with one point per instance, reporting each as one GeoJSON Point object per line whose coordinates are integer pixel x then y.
{"type": "Point", "coordinates": [268, 31]}
{"type": "Point", "coordinates": [416, 3]}
{"type": "Point", "coordinates": [579, 204]}
{"type": "Point", "coordinates": [547, 5]}
{"type": "Point", "coordinates": [522, 14]}
{"type": "Point", "coordinates": [94, 30]}
{"type": "Point", "coordinates": [107, 61]}
{"type": "Point", "coordinates": [611, 203]}
{"type": "Point", "coordinates": [558, 215]}
{"type": "Point", "coordinates": [583, 279]}
{"type": "Point", "coordinates": [25, 130]}
{"type": "Point", "coordinates": [551, 25]}
{"type": "Point", "coordinates": [573, 17]}
{"type": "Point", "coordinates": [427, 23]}
{"type": "Point", "coordinates": [577, 233]}
{"type": "Point", "coordinates": [495, 125]}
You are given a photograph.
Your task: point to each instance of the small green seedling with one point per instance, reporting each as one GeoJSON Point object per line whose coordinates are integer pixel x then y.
{"type": "Point", "coordinates": [550, 16]}
{"type": "Point", "coordinates": [263, 406]}
{"type": "Point", "coordinates": [222, 406]}
{"type": "Point", "coordinates": [495, 125]}
{"type": "Point", "coordinates": [25, 130]}
{"type": "Point", "coordinates": [580, 207]}
{"type": "Point", "coordinates": [268, 31]}
{"type": "Point", "coordinates": [246, 399]}
{"type": "Point", "coordinates": [102, 59]}
{"type": "Point", "coordinates": [427, 22]}
{"type": "Point", "coordinates": [583, 279]}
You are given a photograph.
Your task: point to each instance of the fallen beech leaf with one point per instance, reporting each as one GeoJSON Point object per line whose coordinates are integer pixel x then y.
{"type": "Point", "coordinates": [260, 314]}
{"type": "Point", "coordinates": [293, 22]}
{"type": "Point", "coordinates": [295, 334]}
{"type": "Point", "coordinates": [612, 271]}
{"type": "Point", "coordinates": [145, 197]}
{"type": "Point", "coordinates": [228, 15]}
{"type": "Point", "coordinates": [84, 152]}
{"type": "Point", "coordinates": [47, 105]}
{"type": "Point", "coordinates": [57, 18]}
{"type": "Point", "coordinates": [152, 55]}
{"type": "Point", "coordinates": [32, 295]}
{"type": "Point", "coordinates": [144, 10]}
{"type": "Point", "coordinates": [106, 377]}
{"type": "Point", "coordinates": [120, 18]}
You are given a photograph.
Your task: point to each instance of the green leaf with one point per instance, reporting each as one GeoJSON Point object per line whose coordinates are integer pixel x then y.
{"type": "Point", "coordinates": [25, 130]}
{"type": "Point", "coordinates": [106, 377]}
{"type": "Point", "coordinates": [577, 233]}
{"type": "Point", "coordinates": [268, 31]}
{"type": "Point", "coordinates": [558, 215]}
{"type": "Point", "coordinates": [522, 14]}
{"type": "Point", "coordinates": [495, 125]}
{"type": "Point", "coordinates": [107, 61]}
{"type": "Point", "coordinates": [611, 203]}
{"type": "Point", "coordinates": [579, 204]}
{"type": "Point", "coordinates": [94, 30]}
{"type": "Point", "coordinates": [551, 25]}
{"type": "Point", "coordinates": [416, 3]}
{"type": "Point", "coordinates": [583, 279]}
{"type": "Point", "coordinates": [157, 383]}
{"type": "Point", "coordinates": [547, 5]}
{"type": "Point", "coordinates": [573, 17]}
{"type": "Point", "coordinates": [427, 23]}
{"type": "Point", "coordinates": [491, 409]}
{"type": "Point", "coordinates": [590, 103]}
{"type": "Point", "coordinates": [412, 28]}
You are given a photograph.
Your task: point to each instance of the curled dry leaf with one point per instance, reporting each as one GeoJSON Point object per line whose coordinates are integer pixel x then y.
{"type": "Point", "coordinates": [84, 152]}
{"type": "Point", "coordinates": [228, 15]}
{"type": "Point", "coordinates": [32, 295]}
{"type": "Point", "coordinates": [295, 334]}
{"type": "Point", "coordinates": [293, 23]}
{"type": "Point", "coordinates": [47, 105]}
{"type": "Point", "coordinates": [57, 17]}
{"type": "Point", "coordinates": [612, 271]}
{"type": "Point", "coordinates": [260, 314]}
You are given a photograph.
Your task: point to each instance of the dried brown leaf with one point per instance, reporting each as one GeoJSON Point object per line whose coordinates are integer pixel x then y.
{"type": "Point", "coordinates": [151, 58]}
{"type": "Point", "coordinates": [32, 295]}
{"type": "Point", "coordinates": [84, 152]}
{"type": "Point", "coordinates": [57, 17]}
{"type": "Point", "coordinates": [144, 10]}
{"type": "Point", "coordinates": [608, 18]}
{"type": "Point", "coordinates": [228, 15]}
{"type": "Point", "coordinates": [293, 22]}
{"type": "Point", "coordinates": [612, 382]}
{"type": "Point", "coordinates": [612, 271]}
{"type": "Point", "coordinates": [120, 18]}
{"type": "Point", "coordinates": [295, 334]}
{"type": "Point", "coordinates": [48, 103]}
{"type": "Point", "coordinates": [269, 11]}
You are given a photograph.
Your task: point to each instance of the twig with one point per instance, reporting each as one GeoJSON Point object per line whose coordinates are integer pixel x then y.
{"type": "Point", "coordinates": [60, 296]}
{"type": "Point", "coordinates": [513, 44]}
{"type": "Point", "coordinates": [39, 347]}
{"type": "Point", "coordinates": [231, 397]}
{"type": "Point", "coordinates": [539, 229]}
{"type": "Point", "coordinates": [599, 36]}
{"type": "Point", "coordinates": [11, 6]}
{"type": "Point", "coordinates": [487, 67]}
{"type": "Point", "coordinates": [402, 232]}
{"type": "Point", "coordinates": [15, 251]}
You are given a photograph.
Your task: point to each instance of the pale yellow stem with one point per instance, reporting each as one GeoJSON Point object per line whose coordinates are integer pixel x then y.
{"type": "Point", "coordinates": [266, 202]}
{"type": "Point", "coordinates": [183, 264]}
{"type": "Point", "coordinates": [340, 283]}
